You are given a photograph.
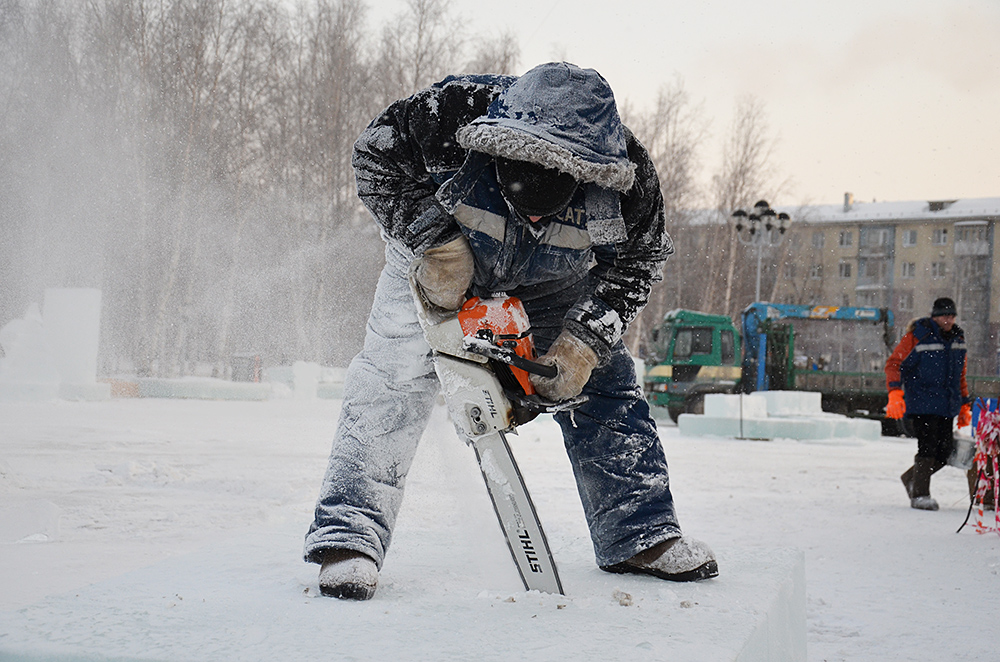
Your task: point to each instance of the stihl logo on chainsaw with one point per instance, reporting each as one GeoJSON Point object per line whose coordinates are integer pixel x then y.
{"type": "Point", "coordinates": [528, 548]}
{"type": "Point", "coordinates": [488, 397]}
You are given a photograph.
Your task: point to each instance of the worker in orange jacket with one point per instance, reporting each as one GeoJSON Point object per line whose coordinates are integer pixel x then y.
{"type": "Point", "coordinates": [926, 380]}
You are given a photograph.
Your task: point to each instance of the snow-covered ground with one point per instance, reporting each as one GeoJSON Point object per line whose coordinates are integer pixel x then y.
{"type": "Point", "coordinates": [102, 492]}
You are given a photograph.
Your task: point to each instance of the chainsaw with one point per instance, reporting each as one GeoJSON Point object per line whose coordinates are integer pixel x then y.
{"type": "Point", "coordinates": [483, 354]}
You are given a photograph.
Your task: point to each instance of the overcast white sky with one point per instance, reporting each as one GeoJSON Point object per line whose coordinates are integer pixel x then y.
{"type": "Point", "coordinates": [887, 99]}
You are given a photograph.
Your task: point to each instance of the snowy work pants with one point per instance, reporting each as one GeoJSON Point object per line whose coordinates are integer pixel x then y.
{"type": "Point", "coordinates": [390, 386]}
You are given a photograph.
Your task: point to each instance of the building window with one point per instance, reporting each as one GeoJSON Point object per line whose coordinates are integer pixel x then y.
{"type": "Point", "coordinates": [909, 238]}
{"type": "Point", "coordinates": [872, 270]}
{"type": "Point", "coordinates": [816, 271]}
{"type": "Point", "coordinates": [869, 298]}
{"type": "Point", "coordinates": [940, 237]}
{"type": "Point", "coordinates": [970, 233]}
{"type": "Point", "coordinates": [939, 269]}
{"type": "Point", "coordinates": [909, 270]}
{"type": "Point", "coordinates": [818, 240]}
{"type": "Point", "coordinates": [905, 301]}
{"type": "Point", "coordinates": [789, 270]}
{"type": "Point", "coordinates": [846, 238]}
{"type": "Point", "coordinates": [974, 268]}
{"type": "Point", "coordinates": [876, 237]}
{"type": "Point", "coordinates": [845, 269]}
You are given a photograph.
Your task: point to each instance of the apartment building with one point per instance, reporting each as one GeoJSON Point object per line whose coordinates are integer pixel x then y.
{"type": "Point", "coordinates": [900, 255]}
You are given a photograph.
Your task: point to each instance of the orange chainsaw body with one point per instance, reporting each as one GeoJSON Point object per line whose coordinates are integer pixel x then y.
{"type": "Point", "coordinates": [503, 322]}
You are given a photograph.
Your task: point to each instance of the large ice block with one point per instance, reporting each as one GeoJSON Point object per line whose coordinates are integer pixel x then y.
{"type": "Point", "coordinates": [72, 323]}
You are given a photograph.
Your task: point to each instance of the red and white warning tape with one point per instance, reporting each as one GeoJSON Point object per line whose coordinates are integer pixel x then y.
{"type": "Point", "coordinates": [987, 468]}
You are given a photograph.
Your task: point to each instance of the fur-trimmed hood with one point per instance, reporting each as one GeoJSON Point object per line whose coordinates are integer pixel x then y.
{"type": "Point", "coordinates": [559, 116]}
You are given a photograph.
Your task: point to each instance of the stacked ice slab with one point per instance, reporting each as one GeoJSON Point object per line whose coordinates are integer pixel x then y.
{"type": "Point", "coordinates": [53, 352]}
{"type": "Point", "coordinates": [774, 415]}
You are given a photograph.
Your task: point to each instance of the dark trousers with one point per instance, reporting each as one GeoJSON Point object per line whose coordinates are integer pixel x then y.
{"type": "Point", "coordinates": [934, 436]}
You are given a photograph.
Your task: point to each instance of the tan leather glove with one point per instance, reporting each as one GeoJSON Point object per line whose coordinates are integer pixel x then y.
{"type": "Point", "coordinates": [574, 359]}
{"type": "Point", "coordinates": [444, 273]}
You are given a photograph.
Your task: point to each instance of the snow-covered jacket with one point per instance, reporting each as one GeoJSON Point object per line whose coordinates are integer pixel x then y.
{"type": "Point", "coordinates": [425, 169]}
{"type": "Point", "coordinates": [929, 365]}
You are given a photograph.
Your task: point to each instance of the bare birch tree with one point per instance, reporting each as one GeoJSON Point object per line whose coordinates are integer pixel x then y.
{"type": "Point", "coordinates": [419, 48]}
{"type": "Point", "coordinates": [745, 176]}
{"type": "Point", "coordinates": [497, 55]}
{"type": "Point", "coordinates": [672, 131]}
{"type": "Point", "coordinates": [192, 158]}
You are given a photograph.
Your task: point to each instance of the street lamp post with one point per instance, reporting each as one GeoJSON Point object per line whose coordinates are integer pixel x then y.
{"type": "Point", "coordinates": [760, 227]}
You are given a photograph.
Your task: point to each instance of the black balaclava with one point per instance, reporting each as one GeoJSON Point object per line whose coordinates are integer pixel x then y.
{"type": "Point", "coordinates": [533, 190]}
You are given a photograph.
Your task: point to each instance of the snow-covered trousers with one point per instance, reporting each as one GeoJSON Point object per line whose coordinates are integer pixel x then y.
{"type": "Point", "coordinates": [390, 386]}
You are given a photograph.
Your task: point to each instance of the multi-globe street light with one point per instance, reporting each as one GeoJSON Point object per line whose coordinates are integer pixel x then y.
{"type": "Point", "coordinates": [760, 227]}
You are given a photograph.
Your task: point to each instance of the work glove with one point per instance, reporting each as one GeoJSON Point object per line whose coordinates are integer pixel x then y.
{"type": "Point", "coordinates": [965, 415]}
{"type": "Point", "coordinates": [574, 360]}
{"type": "Point", "coordinates": [896, 407]}
{"type": "Point", "coordinates": [444, 273]}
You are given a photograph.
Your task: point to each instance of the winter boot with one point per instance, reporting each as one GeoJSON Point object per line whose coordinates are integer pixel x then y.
{"type": "Point", "coordinates": [348, 575]}
{"type": "Point", "coordinates": [920, 495]}
{"type": "Point", "coordinates": [924, 503]}
{"type": "Point", "coordinates": [677, 559]}
{"type": "Point", "coordinates": [907, 479]}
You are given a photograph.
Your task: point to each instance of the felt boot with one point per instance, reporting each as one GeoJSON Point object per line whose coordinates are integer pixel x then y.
{"type": "Point", "coordinates": [678, 560]}
{"type": "Point", "coordinates": [348, 575]}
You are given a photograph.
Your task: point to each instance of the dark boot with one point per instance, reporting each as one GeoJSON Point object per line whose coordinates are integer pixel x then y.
{"type": "Point", "coordinates": [920, 496]}
{"type": "Point", "coordinates": [907, 479]}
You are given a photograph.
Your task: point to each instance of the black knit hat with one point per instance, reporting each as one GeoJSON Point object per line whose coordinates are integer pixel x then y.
{"type": "Point", "coordinates": [943, 306]}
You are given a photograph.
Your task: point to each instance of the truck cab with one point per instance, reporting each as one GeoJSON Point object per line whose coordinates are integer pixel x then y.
{"type": "Point", "coordinates": [693, 354]}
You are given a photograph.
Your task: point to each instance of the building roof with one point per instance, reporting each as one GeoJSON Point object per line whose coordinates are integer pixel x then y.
{"type": "Point", "coordinates": [915, 210]}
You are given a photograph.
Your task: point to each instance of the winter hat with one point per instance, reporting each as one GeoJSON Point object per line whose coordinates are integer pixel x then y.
{"type": "Point", "coordinates": [943, 306]}
{"type": "Point", "coordinates": [561, 117]}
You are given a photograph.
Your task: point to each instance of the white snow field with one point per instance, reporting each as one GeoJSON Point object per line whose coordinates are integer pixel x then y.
{"type": "Point", "coordinates": [168, 529]}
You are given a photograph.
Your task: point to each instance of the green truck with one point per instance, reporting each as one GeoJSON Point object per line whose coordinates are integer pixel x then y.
{"type": "Point", "coordinates": [692, 354]}
{"type": "Point", "coordinates": [838, 351]}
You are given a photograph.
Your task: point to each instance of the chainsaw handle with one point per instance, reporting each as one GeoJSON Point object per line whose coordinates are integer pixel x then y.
{"type": "Point", "coordinates": [534, 367]}
{"type": "Point", "coordinates": [504, 355]}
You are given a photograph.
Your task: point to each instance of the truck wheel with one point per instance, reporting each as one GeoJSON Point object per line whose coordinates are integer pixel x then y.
{"type": "Point", "coordinates": [695, 404]}
{"type": "Point", "coordinates": [675, 412]}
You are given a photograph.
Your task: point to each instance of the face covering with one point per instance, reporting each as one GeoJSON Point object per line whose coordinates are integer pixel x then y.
{"type": "Point", "coordinates": [533, 190]}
